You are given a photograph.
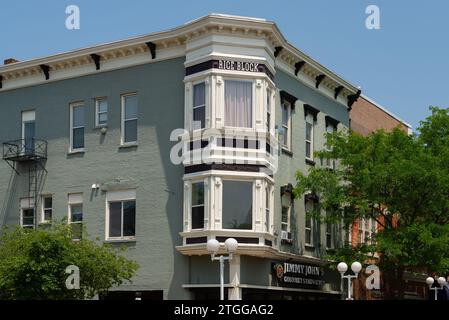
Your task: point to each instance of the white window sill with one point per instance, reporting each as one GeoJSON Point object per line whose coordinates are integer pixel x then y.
{"type": "Point", "coordinates": [118, 240]}
{"type": "Point", "coordinates": [76, 151]}
{"type": "Point", "coordinates": [129, 145]}
{"type": "Point", "coordinates": [309, 246]}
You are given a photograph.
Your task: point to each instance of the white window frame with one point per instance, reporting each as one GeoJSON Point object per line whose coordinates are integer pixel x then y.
{"type": "Point", "coordinates": [75, 199]}
{"type": "Point", "coordinates": [330, 163]}
{"type": "Point", "coordinates": [268, 117]}
{"type": "Point", "coordinates": [289, 216]}
{"type": "Point", "coordinates": [72, 106]}
{"type": "Point", "coordinates": [43, 208]}
{"type": "Point", "coordinates": [288, 146]}
{"type": "Point", "coordinates": [122, 120]}
{"type": "Point", "coordinates": [311, 228]}
{"type": "Point", "coordinates": [309, 120]}
{"type": "Point", "coordinates": [195, 206]}
{"type": "Point", "coordinates": [120, 196]}
{"type": "Point", "coordinates": [26, 204]}
{"type": "Point", "coordinates": [97, 112]}
{"type": "Point", "coordinates": [199, 106]}
{"type": "Point", "coordinates": [363, 230]}
{"type": "Point", "coordinates": [253, 101]}
{"type": "Point", "coordinates": [268, 212]}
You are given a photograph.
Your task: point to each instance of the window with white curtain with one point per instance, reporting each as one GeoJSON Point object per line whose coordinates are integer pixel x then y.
{"type": "Point", "coordinates": [238, 103]}
{"type": "Point", "coordinates": [330, 163]}
{"type": "Point", "coordinates": [286, 126]}
{"type": "Point", "coordinates": [309, 136]}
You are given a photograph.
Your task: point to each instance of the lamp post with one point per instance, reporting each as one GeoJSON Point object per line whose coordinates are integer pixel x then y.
{"type": "Point", "coordinates": [342, 268]}
{"type": "Point", "coordinates": [213, 246]}
{"type": "Point", "coordinates": [441, 281]}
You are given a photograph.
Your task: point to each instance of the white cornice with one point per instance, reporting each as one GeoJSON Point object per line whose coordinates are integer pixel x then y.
{"type": "Point", "coordinates": [172, 38]}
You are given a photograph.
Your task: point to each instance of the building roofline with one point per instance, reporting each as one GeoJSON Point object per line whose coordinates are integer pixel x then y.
{"type": "Point", "coordinates": [183, 31]}
{"type": "Point", "coordinates": [386, 111]}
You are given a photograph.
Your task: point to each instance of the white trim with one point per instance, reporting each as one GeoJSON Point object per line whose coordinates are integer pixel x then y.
{"type": "Point", "coordinates": [309, 120]}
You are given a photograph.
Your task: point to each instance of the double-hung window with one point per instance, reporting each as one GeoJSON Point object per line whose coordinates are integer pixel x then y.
{"type": "Point", "coordinates": [199, 106]}
{"type": "Point", "coordinates": [268, 111]}
{"type": "Point", "coordinates": [286, 125]}
{"type": "Point", "coordinates": [129, 118]}
{"type": "Point", "coordinates": [330, 163]}
{"type": "Point", "coordinates": [309, 136]}
{"type": "Point", "coordinates": [367, 228]}
{"type": "Point", "coordinates": [27, 214]}
{"type": "Point", "coordinates": [101, 109]}
{"type": "Point", "coordinates": [267, 209]}
{"type": "Point", "coordinates": [77, 124]}
{"type": "Point", "coordinates": [197, 205]}
{"type": "Point", "coordinates": [238, 103]}
{"type": "Point", "coordinates": [286, 202]}
{"type": "Point", "coordinates": [47, 208]}
{"type": "Point", "coordinates": [309, 223]}
{"type": "Point", "coordinates": [76, 215]}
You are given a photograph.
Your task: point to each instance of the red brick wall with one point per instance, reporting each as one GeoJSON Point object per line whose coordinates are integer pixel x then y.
{"type": "Point", "coordinates": [366, 117]}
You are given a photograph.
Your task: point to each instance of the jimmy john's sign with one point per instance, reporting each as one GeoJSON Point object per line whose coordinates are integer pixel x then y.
{"type": "Point", "coordinates": [240, 66]}
{"type": "Point", "coordinates": [289, 274]}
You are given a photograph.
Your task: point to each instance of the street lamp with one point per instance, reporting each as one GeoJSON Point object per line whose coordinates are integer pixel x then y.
{"type": "Point", "coordinates": [355, 267]}
{"type": "Point", "coordinates": [213, 246]}
{"type": "Point", "coordinates": [441, 281]}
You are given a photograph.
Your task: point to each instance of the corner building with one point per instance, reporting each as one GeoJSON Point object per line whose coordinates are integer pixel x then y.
{"type": "Point", "coordinates": [88, 137]}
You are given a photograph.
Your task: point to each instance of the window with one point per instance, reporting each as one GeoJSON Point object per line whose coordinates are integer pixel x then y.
{"type": "Point", "coordinates": [199, 106]}
{"type": "Point", "coordinates": [47, 208]}
{"type": "Point", "coordinates": [238, 103]}
{"type": "Point", "coordinates": [27, 215]}
{"type": "Point", "coordinates": [101, 107]}
{"type": "Point", "coordinates": [268, 110]}
{"type": "Point", "coordinates": [75, 218]}
{"type": "Point", "coordinates": [198, 205]}
{"type": "Point", "coordinates": [237, 205]}
{"type": "Point", "coordinates": [28, 218]}
{"type": "Point", "coordinates": [367, 228]}
{"type": "Point", "coordinates": [286, 201]}
{"type": "Point", "coordinates": [77, 126]}
{"type": "Point", "coordinates": [129, 118]}
{"type": "Point", "coordinates": [267, 209]}
{"type": "Point", "coordinates": [309, 136]}
{"type": "Point", "coordinates": [330, 163]}
{"type": "Point", "coordinates": [329, 234]}
{"type": "Point", "coordinates": [122, 219]}
{"type": "Point", "coordinates": [286, 124]}
{"type": "Point", "coordinates": [309, 223]}
{"type": "Point", "coordinates": [28, 131]}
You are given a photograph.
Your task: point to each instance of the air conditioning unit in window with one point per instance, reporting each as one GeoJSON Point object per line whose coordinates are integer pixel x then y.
{"type": "Point", "coordinates": [285, 235]}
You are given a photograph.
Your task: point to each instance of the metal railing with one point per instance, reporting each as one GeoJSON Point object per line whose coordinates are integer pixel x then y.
{"type": "Point", "coordinates": [25, 149]}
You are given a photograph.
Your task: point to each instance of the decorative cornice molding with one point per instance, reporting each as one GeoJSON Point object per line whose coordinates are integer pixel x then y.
{"type": "Point", "coordinates": [176, 37]}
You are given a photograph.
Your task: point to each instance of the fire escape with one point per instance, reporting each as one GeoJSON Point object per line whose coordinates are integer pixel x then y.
{"type": "Point", "coordinates": [28, 156]}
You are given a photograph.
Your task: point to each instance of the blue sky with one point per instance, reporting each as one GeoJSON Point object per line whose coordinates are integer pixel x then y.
{"type": "Point", "coordinates": [403, 66]}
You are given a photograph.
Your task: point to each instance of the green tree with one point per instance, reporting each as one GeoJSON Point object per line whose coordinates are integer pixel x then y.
{"type": "Point", "coordinates": [33, 265]}
{"type": "Point", "coordinates": [401, 181]}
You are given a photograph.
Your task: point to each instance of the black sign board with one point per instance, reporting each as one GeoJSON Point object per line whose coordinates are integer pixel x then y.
{"type": "Point", "coordinates": [298, 275]}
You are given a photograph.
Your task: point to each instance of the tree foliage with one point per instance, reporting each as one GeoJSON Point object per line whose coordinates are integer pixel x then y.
{"type": "Point", "coordinates": [33, 264]}
{"type": "Point", "coordinates": [401, 181]}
